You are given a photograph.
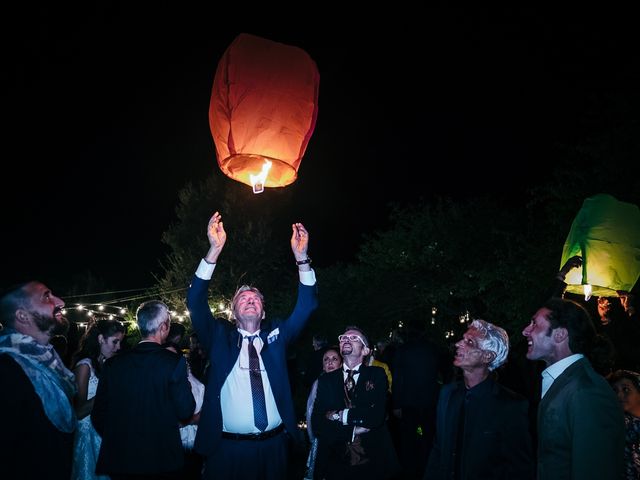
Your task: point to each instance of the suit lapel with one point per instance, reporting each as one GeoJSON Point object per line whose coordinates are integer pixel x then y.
{"type": "Point", "coordinates": [234, 344]}
{"type": "Point", "coordinates": [560, 383]}
{"type": "Point", "coordinates": [265, 354]}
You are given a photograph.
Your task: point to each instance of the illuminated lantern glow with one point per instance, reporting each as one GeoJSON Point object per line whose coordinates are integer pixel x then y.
{"type": "Point", "coordinates": [606, 234]}
{"type": "Point", "coordinates": [264, 105]}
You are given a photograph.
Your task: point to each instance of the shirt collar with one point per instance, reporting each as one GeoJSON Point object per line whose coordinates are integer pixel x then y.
{"type": "Point", "coordinates": [481, 388]}
{"type": "Point", "coordinates": [560, 366]}
{"type": "Point", "coordinates": [355, 369]}
{"type": "Point", "coordinates": [245, 334]}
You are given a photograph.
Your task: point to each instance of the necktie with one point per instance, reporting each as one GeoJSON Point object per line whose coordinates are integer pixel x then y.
{"type": "Point", "coordinates": [349, 382]}
{"type": "Point", "coordinates": [349, 385]}
{"type": "Point", "coordinates": [257, 390]}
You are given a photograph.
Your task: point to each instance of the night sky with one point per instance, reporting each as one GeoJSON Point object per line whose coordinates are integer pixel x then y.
{"type": "Point", "coordinates": [105, 112]}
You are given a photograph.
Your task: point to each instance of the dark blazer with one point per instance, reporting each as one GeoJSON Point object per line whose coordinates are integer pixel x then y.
{"type": "Point", "coordinates": [580, 427]}
{"type": "Point", "coordinates": [142, 396]}
{"type": "Point", "coordinates": [221, 341]}
{"type": "Point", "coordinates": [30, 446]}
{"type": "Point", "coordinates": [497, 442]}
{"type": "Point", "coordinates": [369, 410]}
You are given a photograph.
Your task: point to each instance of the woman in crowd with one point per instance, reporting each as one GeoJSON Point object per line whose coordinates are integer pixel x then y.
{"type": "Point", "coordinates": [627, 386]}
{"type": "Point", "coordinates": [101, 341]}
{"type": "Point", "coordinates": [331, 360]}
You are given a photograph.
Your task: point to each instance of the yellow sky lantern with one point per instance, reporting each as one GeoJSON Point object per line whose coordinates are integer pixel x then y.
{"type": "Point", "coordinates": [263, 110]}
{"type": "Point", "coordinates": [606, 234]}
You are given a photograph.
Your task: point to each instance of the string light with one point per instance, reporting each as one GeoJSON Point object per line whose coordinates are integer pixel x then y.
{"type": "Point", "coordinates": [115, 309]}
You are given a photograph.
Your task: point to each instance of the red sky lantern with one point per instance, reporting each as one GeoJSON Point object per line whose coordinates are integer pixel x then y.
{"type": "Point", "coordinates": [263, 110]}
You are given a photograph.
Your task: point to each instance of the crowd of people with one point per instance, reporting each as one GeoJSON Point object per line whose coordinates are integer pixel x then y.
{"type": "Point", "coordinates": [223, 408]}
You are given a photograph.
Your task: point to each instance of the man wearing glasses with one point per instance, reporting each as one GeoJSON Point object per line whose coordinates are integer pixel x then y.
{"type": "Point", "coordinates": [248, 405]}
{"type": "Point", "coordinates": [349, 416]}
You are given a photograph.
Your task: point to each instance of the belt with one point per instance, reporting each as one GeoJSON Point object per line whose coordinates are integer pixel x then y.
{"type": "Point", "coordinates": [254, 436]}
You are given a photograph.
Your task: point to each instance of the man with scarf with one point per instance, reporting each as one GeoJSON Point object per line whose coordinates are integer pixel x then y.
{"type": "Point", "coordinates": [36, 389]}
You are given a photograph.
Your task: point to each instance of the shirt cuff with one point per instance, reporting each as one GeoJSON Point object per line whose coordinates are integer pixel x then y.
{"type": "Point", "coordinates": [345, 413]}
{"type": "Point", "coordinates": [306, 278]}
{"type": "Point", "coordinates": [205, 270]}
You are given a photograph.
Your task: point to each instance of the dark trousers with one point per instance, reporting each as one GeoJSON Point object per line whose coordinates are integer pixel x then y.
{"type": "Point", "coordinates": [414, 446]}
{"type": "Point", "coordinates": [249, 459]}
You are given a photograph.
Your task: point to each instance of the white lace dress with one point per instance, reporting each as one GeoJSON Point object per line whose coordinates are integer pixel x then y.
{"type": "Point", "coordinates": [86, 445]}
{"type": "Point", "coordinates": [188, 432]}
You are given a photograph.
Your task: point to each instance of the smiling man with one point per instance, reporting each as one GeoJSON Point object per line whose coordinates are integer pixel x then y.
{"type": "Point", "coordinates": [349, 417]}
{"type": "Point", "coordinates": [580, 423]}
{"type": "Point", "coordinates": [37, 389]}
{"type": "Point", "coordinates": [482, 428]}
{"type": "Point", "coordinates": [248, 411]}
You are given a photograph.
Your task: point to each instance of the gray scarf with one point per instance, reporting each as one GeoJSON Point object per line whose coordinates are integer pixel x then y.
{"type": "Point", "coordinates": [53, 382]}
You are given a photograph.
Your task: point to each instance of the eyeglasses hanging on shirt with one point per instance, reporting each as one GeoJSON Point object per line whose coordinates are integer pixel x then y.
{"type": "Point", "coordinates": [243, 361]}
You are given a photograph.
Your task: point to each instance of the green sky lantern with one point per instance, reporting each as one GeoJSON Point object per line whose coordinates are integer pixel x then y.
{"type": "Point", "coordinates": [606, 234]}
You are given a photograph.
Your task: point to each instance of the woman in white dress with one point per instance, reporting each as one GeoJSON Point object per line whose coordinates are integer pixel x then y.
{"type": "Point", "coordinates": [101, 341]}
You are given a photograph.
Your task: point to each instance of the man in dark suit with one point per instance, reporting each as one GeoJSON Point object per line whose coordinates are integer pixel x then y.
{"type": "Point", "coordinates": [580, 422]}
{"type": "Point", "coordinates": [349, 417]}
{"type": "Point", "coordinates": [36, 389]}
{"type": "Point", "coordinates": [482, 428]}
{"type": "Point", "coordinates": [248, 407]}
{"type": "Point", "coordinates": [142, 397]}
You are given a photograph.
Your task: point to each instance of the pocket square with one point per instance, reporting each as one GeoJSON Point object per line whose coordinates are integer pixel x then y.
{"type": "Point", "coordinates": [273, 335]}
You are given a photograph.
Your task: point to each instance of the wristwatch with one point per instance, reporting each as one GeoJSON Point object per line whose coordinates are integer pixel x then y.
{"type": "Point", "coordinates": [335, 416]}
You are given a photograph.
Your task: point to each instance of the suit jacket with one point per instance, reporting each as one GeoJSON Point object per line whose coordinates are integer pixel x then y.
{"type": "Point", "coordinates": [369, 410]}
{"type": "Point", "coordinates": [221, 342]}
{"type": "Point", "coordinates": [580, 427]}
{"type": "Point", "coordinates": [496, 442]}
{"type": "Point", "coordinates": [142, 396]}
{"type": "Point", "coordinates": [30, 445]}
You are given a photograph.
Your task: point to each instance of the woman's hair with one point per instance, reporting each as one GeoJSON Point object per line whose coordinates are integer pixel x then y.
{"type": "Point", "coordinates": [331, 348]}
{"type": "Point", "coordinates": [89, 344]}
{"type": "Point", "coordinates": [633, 377]}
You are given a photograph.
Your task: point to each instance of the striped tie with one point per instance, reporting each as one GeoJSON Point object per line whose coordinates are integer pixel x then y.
{"type": "Point", "coordinates": [257, 390]}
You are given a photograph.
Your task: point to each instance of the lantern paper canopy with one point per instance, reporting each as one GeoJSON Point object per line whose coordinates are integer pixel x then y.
{"type": "Point", "coordinates": [606, 234]}
{"type": "Point", "coordinates": [263, 109]}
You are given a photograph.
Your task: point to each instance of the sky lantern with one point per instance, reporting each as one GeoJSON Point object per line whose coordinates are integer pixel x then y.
{"type": "Point", "coordinates": [263, 110]}
{"type": "Point", "coordinates": [606, 234]}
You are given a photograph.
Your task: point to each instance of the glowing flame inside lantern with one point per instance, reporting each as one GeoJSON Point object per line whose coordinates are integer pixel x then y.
{"type": "Point", "coordinates": [257, 181]}
{"type": "Point", "coordinates": [588, 290]}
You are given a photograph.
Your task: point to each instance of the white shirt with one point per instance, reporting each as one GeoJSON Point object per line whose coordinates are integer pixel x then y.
{"type": "Point", "coordinates": [356, 375]}
{"type": "Point", "coordinates": [356, 372]}
{"type": "Point", "coordinates": [235, 397]}
{"type": "Point", "coordinates": [205, 272]}
{"type": "Point", "coordinates": [552, 372]}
